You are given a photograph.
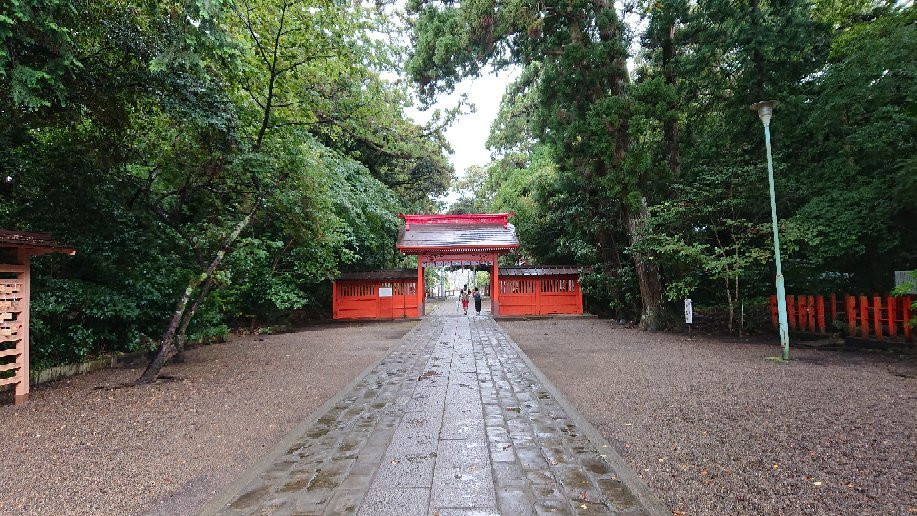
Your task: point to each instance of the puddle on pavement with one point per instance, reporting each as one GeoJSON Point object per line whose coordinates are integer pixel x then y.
{"type": "Point", "coordinates": [596, 466]}
{"type": "Point", "coordinates": [250, 498]}
{"type": "Point", "coordinates": [324, 479]}
{"type": "Point", "coordinates": [298, 482]}
{"type": "Point", "coordinates": [318, 432]}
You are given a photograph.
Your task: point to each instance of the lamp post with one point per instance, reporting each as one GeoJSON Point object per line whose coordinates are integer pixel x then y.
{"type": "Point", "coordinates": [765, 109]}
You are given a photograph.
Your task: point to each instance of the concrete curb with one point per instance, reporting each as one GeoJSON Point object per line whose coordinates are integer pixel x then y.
{"type": "Point", "coordinates": [644, 494]}
{"type": "Point", "coordinates": [113, 360]}
{"type": "Point", "coordinates": [219, 503]}
{"type": "Point", "coordinates": [52, 374]}
{"type": "Point", "coordinates": [560, 317]}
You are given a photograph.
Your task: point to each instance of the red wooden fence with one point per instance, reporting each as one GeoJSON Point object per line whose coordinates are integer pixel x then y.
{"type": "Point", "coordinates": [875, 317]}
{"type": "Point", "coordinates": [540, 295]}
{"type": "Point", "coordinates": [362, 299]}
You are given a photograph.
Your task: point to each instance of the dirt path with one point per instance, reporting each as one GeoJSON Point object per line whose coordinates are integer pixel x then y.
{"type": "Point", "coordinates": [83, 447]}
{"type": "Point", "coordinates": [713, 428]}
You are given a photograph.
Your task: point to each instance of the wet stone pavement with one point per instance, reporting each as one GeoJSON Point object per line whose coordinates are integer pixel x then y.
{"type": "Point", "coordinates": [453, 421]}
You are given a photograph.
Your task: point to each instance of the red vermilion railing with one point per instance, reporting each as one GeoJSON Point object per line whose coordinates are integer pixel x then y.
{"type": "Point", "coordinates": [875, 317]}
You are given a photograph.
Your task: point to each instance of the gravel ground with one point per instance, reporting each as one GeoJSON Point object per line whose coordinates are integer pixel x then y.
{"type": "Point", "coordinates": [714, 428]}
{"type": "Point", "coordinates": [86, 446]}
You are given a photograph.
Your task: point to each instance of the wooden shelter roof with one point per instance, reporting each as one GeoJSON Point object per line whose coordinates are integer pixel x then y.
{"type": "Point", "coordinates": [385, 274]}
{"type": "Point", "coordinates": [489, 232]}
{"type": "Point", "coordinates": [545, 270]}
{"type": "Point", "coordinates": [38, 243]}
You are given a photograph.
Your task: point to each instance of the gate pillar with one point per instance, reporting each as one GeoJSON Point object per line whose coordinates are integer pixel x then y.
{"type": "Point", "coordinates": [495, 287]}
{"type": "Point", "coordinates": [421, 288]}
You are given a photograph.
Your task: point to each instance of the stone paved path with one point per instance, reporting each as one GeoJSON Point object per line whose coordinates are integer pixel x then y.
{"type": "Point", "coordinates": [453, 421]}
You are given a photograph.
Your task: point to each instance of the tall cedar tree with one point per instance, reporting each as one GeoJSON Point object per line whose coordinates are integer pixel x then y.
{"type": "Point", "coordinates": [582, 107]}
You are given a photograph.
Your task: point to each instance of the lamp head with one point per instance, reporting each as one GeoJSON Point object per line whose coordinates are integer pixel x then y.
{"type": "Point", "coordinates": [765, 109]}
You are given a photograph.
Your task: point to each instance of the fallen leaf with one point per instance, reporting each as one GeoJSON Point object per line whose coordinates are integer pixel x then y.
{"type": "Point", "coordinates": [776, 466]}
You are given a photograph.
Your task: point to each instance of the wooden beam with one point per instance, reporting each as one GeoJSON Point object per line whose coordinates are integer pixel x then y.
{"type": "Point", "coordinates": [22, 388]}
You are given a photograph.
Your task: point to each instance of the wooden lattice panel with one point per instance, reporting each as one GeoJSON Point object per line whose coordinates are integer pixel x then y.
{"type": "Point", "coordinates": [10, 293]}
{"type": "Point", "coordinates": [10, 331]}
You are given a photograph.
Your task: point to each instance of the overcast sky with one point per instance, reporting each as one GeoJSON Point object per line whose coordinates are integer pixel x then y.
{"type": "Point", "coordinates": [468, 135]}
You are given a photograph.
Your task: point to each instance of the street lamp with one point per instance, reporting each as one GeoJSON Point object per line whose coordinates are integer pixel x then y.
{"type": "Point", "coordinates": [765, 109]}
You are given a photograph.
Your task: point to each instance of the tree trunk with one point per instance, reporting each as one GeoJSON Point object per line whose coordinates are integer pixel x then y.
{"type": "Point", "coordinates": [741, 305]}
{"type": "Point", "coordinates": [166, 348]}
{"type": "Point", "coordinates": [647, 272]}
{"type": "Point", "coordinates": [757, 56]}
{"type": "Point", "coordinates": [167, 345]}
{"type": "Point", "coordinates": [186, 320]}
{"type": "Point", "coordinates": [670, 125]}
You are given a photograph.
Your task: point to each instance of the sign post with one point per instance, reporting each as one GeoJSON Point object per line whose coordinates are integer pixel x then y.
{"type": "Point", "coordinates": [689, 315]}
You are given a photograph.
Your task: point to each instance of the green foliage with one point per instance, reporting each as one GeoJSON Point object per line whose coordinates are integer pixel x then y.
{"type": "Point", "coordinates": [907, 288]}
{"type": "Point", "coordinates": [580, 147]}
{"type": "Point", "coordinates": [36, 53]}
{"type": "Point", "coordinates": [144, 133]}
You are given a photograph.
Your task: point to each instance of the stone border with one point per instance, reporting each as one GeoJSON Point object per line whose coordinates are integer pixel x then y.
{"type": "Point", "coordinates": [641, 491]}
{"type": "Point", "coordinates": [229, 493]}
{"type": "Point", "coordinates": [562, 317]}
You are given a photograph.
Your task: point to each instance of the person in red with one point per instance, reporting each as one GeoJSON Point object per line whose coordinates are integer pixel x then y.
{"type": "Point", "coordinates": [464, 297]}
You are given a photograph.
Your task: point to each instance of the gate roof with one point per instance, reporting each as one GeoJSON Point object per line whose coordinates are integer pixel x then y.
{"type": "Point", "coordinates": [544, 270]}
{"type": "Point", "coordinates": [442, 234]}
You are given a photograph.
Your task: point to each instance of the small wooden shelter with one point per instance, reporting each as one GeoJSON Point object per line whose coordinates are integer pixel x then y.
{"type": "Point", "coordinates": [385, 294]}
{"type": "Point", "coordinates": [540, 290]}
{"type": "Point", "coordinates": [16, 251]}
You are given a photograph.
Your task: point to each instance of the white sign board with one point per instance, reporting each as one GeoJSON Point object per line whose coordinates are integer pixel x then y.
{"type": "Point", "coordinates": [689, 312]}
{"type": "Point", "coordinates": [385, 291]}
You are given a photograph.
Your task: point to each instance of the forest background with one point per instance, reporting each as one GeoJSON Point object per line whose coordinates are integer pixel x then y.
{"type": "Point", "coordinates": [217, 163]}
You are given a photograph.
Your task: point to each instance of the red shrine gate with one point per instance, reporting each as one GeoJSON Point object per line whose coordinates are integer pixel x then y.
{"type": "Point", "coordinates": [457, 240]}
{"type": "Point", "coordinates": [448, 240]}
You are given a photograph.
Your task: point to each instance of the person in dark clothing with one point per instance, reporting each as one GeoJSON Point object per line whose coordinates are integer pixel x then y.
{"type": "Point", "coordinates": [477, 300]}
